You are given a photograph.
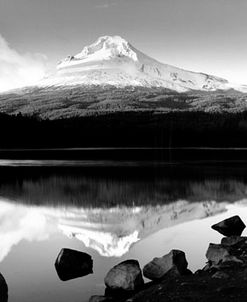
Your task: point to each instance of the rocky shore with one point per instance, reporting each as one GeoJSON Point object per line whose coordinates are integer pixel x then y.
{"type": "Point", "coordinates": [223, 278]}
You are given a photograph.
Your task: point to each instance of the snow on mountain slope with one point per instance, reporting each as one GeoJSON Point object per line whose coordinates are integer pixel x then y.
{"type": "Point", "coordinates": [114, 61]}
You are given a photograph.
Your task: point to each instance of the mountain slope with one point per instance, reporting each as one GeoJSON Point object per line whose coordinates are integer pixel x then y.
{"type": "Point", "coordinates": [56, 102]}
{"type": "Point", "coordinates": [114, 61]}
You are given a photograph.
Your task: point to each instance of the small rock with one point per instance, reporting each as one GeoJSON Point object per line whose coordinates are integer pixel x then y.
{"type": "Point", "coordinates": [3, 289]}
{"type": "Point", "coordinates": [100, 299]}
{"type": "Point", "coordinates": [207, 266]}
{"type": "Point", "coordinates": [159, 267]}
{"type": "Point", "coordinates": [71, 264]}
{"type": "Point", "coordinates": [220, 275]}
{"type": "Point", "coordinates": [216, 253]}
{"type": "Point", "coordinates": [125, 276]}
{"type": "Point", "coordinates": [232, 226]}
{"type": "Point", "coordinates": [232, 240]}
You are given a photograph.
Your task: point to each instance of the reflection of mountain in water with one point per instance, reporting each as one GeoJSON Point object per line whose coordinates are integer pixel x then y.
{"type": "Point", "coordinates": [108, 214]}
{"type": "Point", "coordinates": [110, 231]}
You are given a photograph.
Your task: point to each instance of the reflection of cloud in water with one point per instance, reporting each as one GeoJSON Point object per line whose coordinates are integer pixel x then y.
{"type": "Point", "coordinates": [18, 223]}
{"type": "Point", "coordinates": [109, 231]}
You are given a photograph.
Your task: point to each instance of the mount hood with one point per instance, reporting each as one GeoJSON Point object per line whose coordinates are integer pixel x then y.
{"type": "Point", "coordinates": [111, 60]}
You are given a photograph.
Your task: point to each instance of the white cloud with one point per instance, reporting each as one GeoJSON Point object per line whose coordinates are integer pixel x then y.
{"type": "Point", "coordinates": [19, 70]}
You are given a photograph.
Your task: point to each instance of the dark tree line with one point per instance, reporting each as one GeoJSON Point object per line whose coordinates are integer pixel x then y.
{"type": "Point", "coordinates": [126, 129]}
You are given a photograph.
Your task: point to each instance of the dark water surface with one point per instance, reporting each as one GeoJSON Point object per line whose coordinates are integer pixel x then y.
{"type": "Point", "coordinates": [113, 210]}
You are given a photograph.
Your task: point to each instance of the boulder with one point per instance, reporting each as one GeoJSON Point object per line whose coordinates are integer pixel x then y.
{"type": "Point", "coordinates": [71, 264]}
{"type": "Point", "coordinates": [125, 276]}
{"type": "Point", "coordinates": [159, 267]}
{"type": "Point", "coordinates": [232, 240]}
{"type": "Point", "coordinates": [3, 289]}
{"type": "Point", "coordinates": [232, 226]}
{"type": "Point", "coordinates": [216, 253]}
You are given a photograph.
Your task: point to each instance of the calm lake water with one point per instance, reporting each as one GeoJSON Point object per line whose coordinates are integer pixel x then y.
{"type": "Point", "coordinates": [112, 210]}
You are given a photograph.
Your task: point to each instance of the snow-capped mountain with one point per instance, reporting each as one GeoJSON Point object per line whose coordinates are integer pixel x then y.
{"type": "Point", "coordinates": [114, 61]}
{"type": "Point", "coordinates": [112, 76]}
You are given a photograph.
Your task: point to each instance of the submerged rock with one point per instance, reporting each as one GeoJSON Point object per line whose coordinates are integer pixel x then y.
{"type": "Point", "coordinates": [3, 289]}
{"type": "Point", "coordinates": [125, 276]}
{"type": "Point", "coordinates": [174, 262]}
{"type": "Point", "coordinates": [232, 226]}
{"type": "Point", "coordinates": [71, 264]}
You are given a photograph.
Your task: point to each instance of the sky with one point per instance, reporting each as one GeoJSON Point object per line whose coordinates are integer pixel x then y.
{"type": "Point", "coordinates": [201, 35]}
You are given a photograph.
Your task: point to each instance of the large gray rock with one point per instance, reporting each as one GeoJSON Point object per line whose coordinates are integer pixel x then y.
{"type": "Point", "coordinates": [216, 253]}
{"type": "Point", "coordinates": [3, 289]}
{"type": "Point", "coordinates": [175, 261]}
{"type": "Point", "coordinates": [125, 276]}
{"type": "Point", "coordinates": [71, 264]}
{"type": "Point", "coordinates": [232, 226]}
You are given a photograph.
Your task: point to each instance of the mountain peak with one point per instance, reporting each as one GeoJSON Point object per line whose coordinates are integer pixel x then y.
{"type": "Point", "coordinates": [116, 44]}
{"type": "Point", "coordinates": [105, 48]}
{"type": "Point", "coordinates": [110, 42]}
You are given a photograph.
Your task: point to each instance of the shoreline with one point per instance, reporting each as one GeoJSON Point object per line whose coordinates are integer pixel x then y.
{"type": "Point", "coordinates": [223, 277]}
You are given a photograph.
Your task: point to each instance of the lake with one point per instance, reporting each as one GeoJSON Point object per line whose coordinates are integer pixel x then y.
{"type": "Point", "coordinates": [113, 210]}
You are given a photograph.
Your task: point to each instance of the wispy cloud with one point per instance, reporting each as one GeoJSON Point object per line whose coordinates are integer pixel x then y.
{"type": "Point", "coordinates": [18, 70]}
